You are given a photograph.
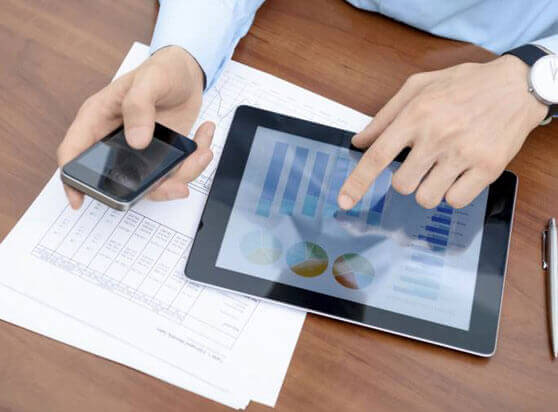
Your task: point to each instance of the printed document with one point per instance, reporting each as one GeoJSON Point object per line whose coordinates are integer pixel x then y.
{"type": "Point", "coordinates": [112, 282]}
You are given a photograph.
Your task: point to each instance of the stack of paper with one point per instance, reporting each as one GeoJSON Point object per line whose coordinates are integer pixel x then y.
{"type": "Point", "coordinates": [112, 282]}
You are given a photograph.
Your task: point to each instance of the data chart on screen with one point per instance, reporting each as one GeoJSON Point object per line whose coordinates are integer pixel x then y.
{"type": "Point", "coordinates": [387, 251]}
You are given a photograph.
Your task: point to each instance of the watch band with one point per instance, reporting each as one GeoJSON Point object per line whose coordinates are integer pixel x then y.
{"type": "Point", "coordinates": [530, 53]}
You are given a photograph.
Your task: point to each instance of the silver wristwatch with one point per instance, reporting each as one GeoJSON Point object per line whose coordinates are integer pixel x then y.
{"type": "Point", "coordinates": [543, 77]}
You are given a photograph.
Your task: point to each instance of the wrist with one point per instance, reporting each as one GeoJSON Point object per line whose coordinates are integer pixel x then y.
{"type": "Point", "coordinates": [185, 63]}
{"type": "Point", "coordinates": [517, 74]}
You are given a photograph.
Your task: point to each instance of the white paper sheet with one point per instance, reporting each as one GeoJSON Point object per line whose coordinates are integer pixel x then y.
{"type": "Point", "coordinates": [111, 282]}
{"type": "Point", "coordinates": [22, 310]}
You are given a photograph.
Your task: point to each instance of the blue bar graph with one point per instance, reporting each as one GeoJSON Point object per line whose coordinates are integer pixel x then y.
{"type": "Point", "coordinates": [441, 219]}
{"type": "Point", "coordinates": [438, 230]}
{"type": "Point", "coordinates": [355, 211]}
{"type": "Point", "coordinates": [434, 240]}
{"type": "Point", "coordinates": [272, 179]}
{"type": "Point", "coordinates": [338, 175]}
{"type": "Point", "coordinates": [315, 185]}
{"type": "Point", "coordinates": [445, 209]}
{"type": "Point", "coordinates": [379, 191]}
{"type": "Point", "coordinates": [293, 181]}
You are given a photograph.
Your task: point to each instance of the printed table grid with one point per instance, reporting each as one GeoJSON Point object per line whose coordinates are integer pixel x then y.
{"type": "Point", "coordinates": [134, 257]}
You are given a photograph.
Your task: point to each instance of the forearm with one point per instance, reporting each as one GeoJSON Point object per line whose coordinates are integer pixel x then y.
{"type": "Point", "coordinates": [209, 30]}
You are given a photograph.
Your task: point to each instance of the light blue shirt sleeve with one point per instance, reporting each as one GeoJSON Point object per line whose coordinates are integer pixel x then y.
{"type": "Point", "coordinates": [496, 25]}
{"type": "Point", "coordinates": [549, 43]}
{"type": "Point", "coordinates": [208, 29]}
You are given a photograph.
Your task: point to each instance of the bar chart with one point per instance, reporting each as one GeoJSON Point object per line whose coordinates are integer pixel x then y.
{"type": "Point", "coordinates": [379, 192]}
{"type": "Point", "coordinates": [387, 251]}
{"type": "Point", "coordinates": [304, 182]}
{"type": "Point", "coordinates": [338, 175]}
{"type": "Point", "coordinates": [272, 179]}
{"type": "Point", "coordinates": [437, 230]}
{"type": "Point", "coordinates": [315, 184]}
{"type": "Point", "coordinates": [293, 182]}
{"type": "Point", "coordinates": [427, 261]}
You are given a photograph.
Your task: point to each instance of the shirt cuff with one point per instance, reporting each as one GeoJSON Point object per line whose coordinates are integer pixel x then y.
{"type": "Point", "coordinates": [200, 27]}
{"type": "Point", "coordinates": [549, 43]}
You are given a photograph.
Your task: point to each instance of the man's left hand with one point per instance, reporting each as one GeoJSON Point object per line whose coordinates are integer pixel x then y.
{"type": "Point", "coordinates": [463, 125]}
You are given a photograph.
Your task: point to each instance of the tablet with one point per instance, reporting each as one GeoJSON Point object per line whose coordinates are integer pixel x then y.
{"type": "Point", "coordinates": [272, 229]}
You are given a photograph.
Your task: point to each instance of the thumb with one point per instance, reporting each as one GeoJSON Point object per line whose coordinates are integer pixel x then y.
{"type": "Point", "coordinates": [138, 112]}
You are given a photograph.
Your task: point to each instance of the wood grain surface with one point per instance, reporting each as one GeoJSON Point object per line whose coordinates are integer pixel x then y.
{"type": "Point", "coordinates": [55, 53]}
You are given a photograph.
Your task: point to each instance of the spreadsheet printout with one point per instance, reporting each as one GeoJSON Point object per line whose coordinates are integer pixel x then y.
{"type": "Point", "coordinates": [121, 273]}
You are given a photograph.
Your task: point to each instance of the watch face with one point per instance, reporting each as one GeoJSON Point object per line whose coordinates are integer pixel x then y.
{"type": "Point", "coordinates": [544, 78]}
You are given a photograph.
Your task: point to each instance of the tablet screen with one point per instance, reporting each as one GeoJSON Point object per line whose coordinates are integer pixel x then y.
{"type": "Point", "coordinates": [387, 252]}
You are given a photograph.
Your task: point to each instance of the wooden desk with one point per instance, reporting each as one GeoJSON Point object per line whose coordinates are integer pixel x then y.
{"type": "Point", "coordinates": [55, 53]}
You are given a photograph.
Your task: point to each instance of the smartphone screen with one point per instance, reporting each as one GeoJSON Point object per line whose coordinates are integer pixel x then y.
{"type": "Point", "coordinates": [115, 161]}
{"type": "Point", "coordinates": [116, 170]}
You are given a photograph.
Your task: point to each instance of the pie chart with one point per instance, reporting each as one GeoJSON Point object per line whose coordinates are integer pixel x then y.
{"type": "Point", "coordinates": [307, 259]}
{"type": "Point", "coordinates": [260, 247]}
{"type": "Point", "coordinates": [353, 271]}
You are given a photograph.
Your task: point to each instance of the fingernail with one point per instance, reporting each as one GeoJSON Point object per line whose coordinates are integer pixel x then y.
{"type": "Point", "coordinates": [139, 137]}
{"type": "Point", "coordinates": [346, 202]}
{"type": "Point", "coordinates": [75, 204]}
{"type": "Point", "coordinates": [74, 199]}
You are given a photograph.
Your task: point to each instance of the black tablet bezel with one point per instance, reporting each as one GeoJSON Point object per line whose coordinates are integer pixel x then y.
{"type": "Point", "coordinates": [481, 337]}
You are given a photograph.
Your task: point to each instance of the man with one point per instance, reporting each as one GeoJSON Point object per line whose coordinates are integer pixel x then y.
{"type": "Point", "coordinates": [463, 124]}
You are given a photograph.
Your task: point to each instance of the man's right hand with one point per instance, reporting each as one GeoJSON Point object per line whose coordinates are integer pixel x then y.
{"type": "Point", "coordinates": [166, 88]}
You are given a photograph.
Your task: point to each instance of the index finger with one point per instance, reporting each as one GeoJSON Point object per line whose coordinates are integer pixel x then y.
{"type": "Point", "coordinates": [378, 156]}
{"type": "Point", "coordinates": [196, 163]}
{"type": "Point", "coordinates": [98, 116]}
{"type": "Point", "coordinates": [80, 136]}
{"type": "Point", "coordinates": [176, 186]}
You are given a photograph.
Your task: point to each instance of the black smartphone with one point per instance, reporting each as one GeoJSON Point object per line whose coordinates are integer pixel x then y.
{"type": "Point", "coordinates": [116, 174]}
